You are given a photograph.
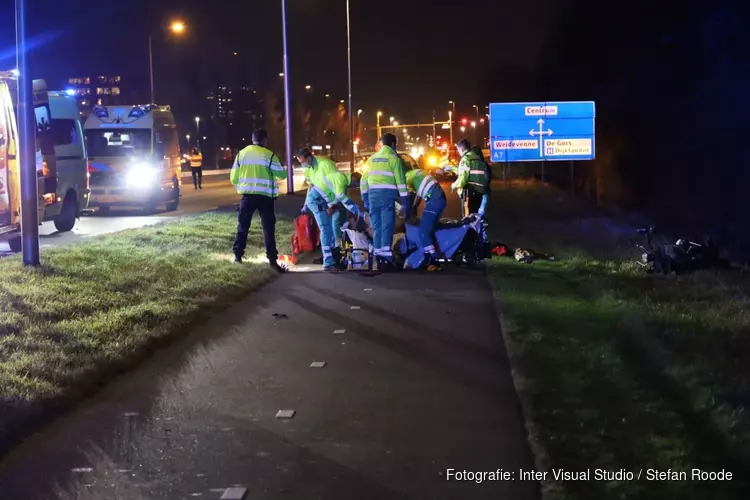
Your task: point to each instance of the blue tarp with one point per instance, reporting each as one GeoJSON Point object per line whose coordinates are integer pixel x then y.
{"type": "Point", "coordinates": [448, 240]}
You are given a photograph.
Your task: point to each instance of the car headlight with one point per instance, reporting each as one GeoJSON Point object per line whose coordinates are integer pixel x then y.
{"type": "Point", "coordinates": [141, 174]}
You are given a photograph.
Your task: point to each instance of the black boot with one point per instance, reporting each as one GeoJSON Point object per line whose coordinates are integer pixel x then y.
{"type": "Point", "coordinates": [276, 267]}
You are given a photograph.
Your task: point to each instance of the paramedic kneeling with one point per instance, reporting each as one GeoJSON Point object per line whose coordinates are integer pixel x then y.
{"type": "Point", "coordinates": [428, 189]}
{"type": "Point", "coordinates": [254, 174]}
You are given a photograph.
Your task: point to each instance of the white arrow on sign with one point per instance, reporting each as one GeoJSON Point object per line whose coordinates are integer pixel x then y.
{"type": "Point", "coordinates": [541, 132]}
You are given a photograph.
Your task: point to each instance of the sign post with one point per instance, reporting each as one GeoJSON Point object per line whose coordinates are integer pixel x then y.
{"type": "Point", "coordinates": [543, 131]}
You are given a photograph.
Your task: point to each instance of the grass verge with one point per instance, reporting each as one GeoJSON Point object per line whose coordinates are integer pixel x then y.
{"type": "Point", "coordinates": [617, 369]}
{"type": "Point", "coordinates": [99, 307]}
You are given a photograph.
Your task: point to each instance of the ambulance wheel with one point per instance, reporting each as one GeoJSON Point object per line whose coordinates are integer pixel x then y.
{"type": "Point", "coordinates": [15, 244]}
{"type": "Point", "coordinates": [172, 205]}
{"type": "Point", "coordinates": [68, 215]}
{"type": "Point", "coordinates": [149, 207]}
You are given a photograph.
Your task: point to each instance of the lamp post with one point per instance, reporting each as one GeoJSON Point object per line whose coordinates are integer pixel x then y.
{"type": "Point", "coordinates": [198, 131]}
{"type": "Point", "coordinates": [380, 113]}
{"type": "Point", "coordinates": [26, 143]}
{"type": "Point", "coordinates": [177, 27]}
{"type": "Point", "coordinates": [450, 121]}
{"type": "Point", "coordinates": [351, 108]}
{"type": "Point", "coordinates": [287, 108]}
{"type": "Point", "coordinates": [451, 118]}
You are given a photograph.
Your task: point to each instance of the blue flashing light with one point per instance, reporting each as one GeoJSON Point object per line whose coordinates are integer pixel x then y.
{"type": "Point", "coordinates": [15, 73]}
{"type": "Point", "coordinates": [101, 112]}
{"type": "Point", "coordinates": [136, 112]}
{"type": "Point", "coordinates": [70, 92]}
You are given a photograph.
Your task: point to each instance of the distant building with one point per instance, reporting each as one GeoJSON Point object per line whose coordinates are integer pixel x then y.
{"type": "Point", "coordinates": [235, 112]}
{"type": "Point", "coordinates": [93, 91]}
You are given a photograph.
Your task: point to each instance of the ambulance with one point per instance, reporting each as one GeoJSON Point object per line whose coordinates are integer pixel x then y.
{"type": "Point", "coordinates": [134, 157]}
{"type": "Point", "coordinates": [61, 164]}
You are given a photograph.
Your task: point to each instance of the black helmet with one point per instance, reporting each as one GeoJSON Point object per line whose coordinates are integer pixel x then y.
{"type": "Point", "coordinates": [390, 140]}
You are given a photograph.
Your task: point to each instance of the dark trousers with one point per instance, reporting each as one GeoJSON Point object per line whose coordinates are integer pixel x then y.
{"type": "Point", "coordinates": [265, 206]}
{"type": "Point", "coordinates": [197, 176]}
{"type": "Point", "coordinates": [474, 201]}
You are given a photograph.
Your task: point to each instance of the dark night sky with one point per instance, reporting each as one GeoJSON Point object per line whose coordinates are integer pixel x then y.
{"type": "Point", "coordinates": [406, 61]}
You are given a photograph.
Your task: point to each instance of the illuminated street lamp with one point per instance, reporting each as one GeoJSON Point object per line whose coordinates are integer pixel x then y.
{"type": "Point", "coordinates": [379, 114]}
{"type": "Point", "coordinates": [176, 27]}
{"type": "Point", "coordinates": [395, 124]}
{"type": "Point", "coordinates": [463, 129]}
{"type": "Point", "coordinates": [281, 75]}
{"type": "Point", "coordinates": [308, 87]}
{"type": "Point", "coordinates": [391, 119]}
{"type": "Point", "coordinates": [473, 124]}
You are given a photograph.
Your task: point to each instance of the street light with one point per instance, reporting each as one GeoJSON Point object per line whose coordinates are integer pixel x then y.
{"type": "Point", "coordinates": [395, 124]}
{"type": "Point", "coordinates": [473, 124]}
{"type": "Point", "coordinates": [307, 87]}
{"type": "Point", "coordinates": [177, 27]}
{"type": "Point", "coordinates": [476, 108]}
{"type": "Point", "coordinates": [379, 114]}
{"type": "Point", "coordinates": [287, 106]}
{"type": "Point", "coordinates": [463, 129]}
{"type": "Point", "coordinates": [391, 119]}
{"type": "Point", "coordinates": [281, 75]}
{"type": "Point", "coordinates": [198, 130]}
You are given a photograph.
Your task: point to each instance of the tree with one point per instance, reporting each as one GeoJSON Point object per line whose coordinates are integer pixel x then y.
{"type": "Point", "coordinates": [274, 123]}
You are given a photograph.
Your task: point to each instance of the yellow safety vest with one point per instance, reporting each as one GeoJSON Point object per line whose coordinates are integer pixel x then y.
{"type": "Point", "coordinates": [256, 170]}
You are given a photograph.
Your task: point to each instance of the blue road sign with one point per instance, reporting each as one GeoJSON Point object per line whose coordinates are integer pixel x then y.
{"type": "Point", "coordinates": [542, 131]}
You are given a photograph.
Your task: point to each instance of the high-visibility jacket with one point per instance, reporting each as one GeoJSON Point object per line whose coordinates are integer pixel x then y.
{"type": "Point", "coordinates": [195, 160]}
{"type": "Point", "coordinates": [420, 182]}
{"type": "Point", "coordinates": [332, 186]}
{"type": "Point", "coordinates": [384, 170]}
{"type": "Point", "coordinates": [319, 164]}
{"type": "Point", "coordinates": [472, 173]}
{"type": "Point", "coordinates": [256, 170]}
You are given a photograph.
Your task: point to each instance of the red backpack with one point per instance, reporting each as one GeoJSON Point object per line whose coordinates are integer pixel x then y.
{"type": "Point", "coordinates": [307, 234]}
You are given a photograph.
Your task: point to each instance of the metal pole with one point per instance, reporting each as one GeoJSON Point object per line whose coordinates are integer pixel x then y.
{"type": "Point", "coordinates": [351, 109]}
{"type": "Point", "coordinates": [434, 129]}
{"type": "Point", "coordinates": [287, 108]}
{"type": "Point", "coordinates": [378, 128]}
{"type": "Point", "coordinates": [453, 119]}
{"type": "Point", "coordinates": [451, 129]}
{"type": "Point", "coordinates": [572, 178]}
{"type": "Point", "coordinates": [27, 146]}
{"type": "Point", "coordinates": [151, 69]}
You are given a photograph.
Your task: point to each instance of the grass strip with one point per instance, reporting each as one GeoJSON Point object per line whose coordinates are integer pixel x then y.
{"type": "Point", "coordinates": [99, 307]}
{"type": "Point", "coordinates": [619, 370]}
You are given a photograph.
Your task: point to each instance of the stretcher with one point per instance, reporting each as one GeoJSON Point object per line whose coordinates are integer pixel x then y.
{"type": "Point", "coordinates": [461, 242]}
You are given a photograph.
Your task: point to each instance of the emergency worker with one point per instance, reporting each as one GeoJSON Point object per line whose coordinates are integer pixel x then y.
{"type": "Point", "coordinates": [196, 168]}
{"type": "Point", "coordinates": [254, 174]}
{"type": "Point", "coordinates": [473, 183]}
{"type": "Point", "coordinates": [426, 188]}
{"type": "Point", "coordinates": [383, 183]}
{"type": "Point", "coordinates": [328, 201]}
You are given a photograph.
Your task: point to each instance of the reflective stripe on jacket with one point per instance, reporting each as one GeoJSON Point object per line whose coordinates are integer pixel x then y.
{"type": "Point", "coordinates": [472, 172]}
{"type": "Point", "coordinates": [256, 170]}
{"type": "Point", "coordinates": [195, 160]}
{"type": "Point", "coordinates": [420, 182]}
{"type": "Point", "coordinates": [319, 164]}
{"type": "Point", "coordinates": [384, 170]}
